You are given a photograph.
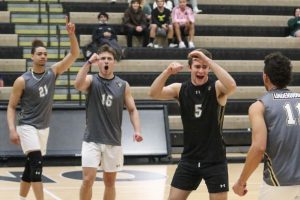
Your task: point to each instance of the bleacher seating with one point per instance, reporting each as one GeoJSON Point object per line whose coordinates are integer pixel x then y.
{"type": "Point", "coordinates": [238, 33]}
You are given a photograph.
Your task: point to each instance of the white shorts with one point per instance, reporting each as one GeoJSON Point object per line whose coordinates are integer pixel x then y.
{"type": "Point", "coordinates": [268, 192]}
{"type": "Point", "coordinates": [33, 139]}
{"type": "Point", "coordinates": [109, 157]}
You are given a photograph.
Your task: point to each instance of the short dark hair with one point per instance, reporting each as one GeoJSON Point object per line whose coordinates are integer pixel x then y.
{"type": "Point", "coordinates": [295, 11]}
{"type": "Point", "coordinates": [107, 48]}
{"type": "Point", "coordinates": [204, 51]}
{"type": "Point", "coordinates": [279, 69]}
{"type": "Point", "coordinates": [104, 14]}
{"type": "Point", "coordinates": [35, 44]}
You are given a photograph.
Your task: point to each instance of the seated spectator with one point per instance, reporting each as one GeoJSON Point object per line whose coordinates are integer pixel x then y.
{"type": "Point", "coordinates": [146, 8]}
{"type": "Point", "coordinates": [169, 4]}
{"type": "Point", "coordinates": [193, 4]}
{"type": "Point", "coordinates": [294, 23]}
{"type": "Point", "coordinates": [135, 23]}
{"type": "Point", "coordinates": [103, 34]}
{"type": "Point", "coordinates": [161, 24]}
{"type": "Point", "coordinates": [184, 23]}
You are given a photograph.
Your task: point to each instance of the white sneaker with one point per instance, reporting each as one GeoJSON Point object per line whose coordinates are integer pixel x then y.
{"type": "Point", "coordinates": [150, 45]}
{"type": "Point", "coordinates": [191, 45]}
{"type": "Point", "coordinates": [113, 1]}
{"type": "Point", "coordinates": [156, 46]}
{"type": "Point", "coordinates": [182, 45]}
{"type": "Point", "coordinates": [196, 10]}
{"type": "Point", "coordinates": [173, 45]}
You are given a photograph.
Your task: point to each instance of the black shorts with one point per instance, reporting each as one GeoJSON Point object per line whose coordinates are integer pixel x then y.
{"type": "Point", "coordinates": [188, 176]}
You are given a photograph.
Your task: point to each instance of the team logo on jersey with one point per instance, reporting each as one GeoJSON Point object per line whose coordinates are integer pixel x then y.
{"type": "Point", "coordinates": [119, 84]}
{"type": "Point", "coordinates": [197, 92]}
{"type": "Point", "coordinates": [209, 88]}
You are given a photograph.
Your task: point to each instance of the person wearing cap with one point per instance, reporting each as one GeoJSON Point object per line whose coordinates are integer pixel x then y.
{"type": "Point", "coordinates": [202, 103]}
{"type": "Point", "coordinates": [106, 34]}
{"type": "Point", "coordinates": [107, 94]}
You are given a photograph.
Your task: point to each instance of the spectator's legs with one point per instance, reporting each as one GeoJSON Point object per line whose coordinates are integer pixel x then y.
{"type": "Point", "coordinates": [130, 32]}
{"type": "Point", "coordinates": [177, 32]}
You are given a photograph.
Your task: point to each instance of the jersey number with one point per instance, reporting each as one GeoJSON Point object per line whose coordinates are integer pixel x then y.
{"type": "Point", "coordinates": [43, 91]}
{"type": "Point", "coordinates": [198, 110]}
{"type": "Point", "coordinates": [107, 100]}
{"type": "Point", "coordinates": [290, 115]}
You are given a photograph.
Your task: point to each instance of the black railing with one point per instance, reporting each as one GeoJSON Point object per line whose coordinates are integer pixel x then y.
{"type": "Point", "coordinates": [39, 12]}
{"type": "Point", "coordinates": [47, 7]}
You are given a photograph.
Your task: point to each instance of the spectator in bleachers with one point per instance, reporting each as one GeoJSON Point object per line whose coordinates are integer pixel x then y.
{"type": "Point", "coordinates": [169, 4]}
{"type": "Point", "coordinates": [183, 20]}
{"type": "Point", "coordinates": [161, 24]}
{"type": "Point", "coordinates": [294, 23]}
{"type": "Point", "coordinates": [34, 90]}
{"type": "Point", "coordinates": [193, 4]}
{"type": "Point", "coordinates": [146, 8]}
{"type": "Point", "coordinates": [135, 23]}
{"type": "Point", "coordinates": [106, 34]}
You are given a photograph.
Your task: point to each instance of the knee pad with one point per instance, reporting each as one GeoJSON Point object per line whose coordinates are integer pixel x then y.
{"type": "Point", "coordinates": [26, 172]}
{"type": "Point", "coordinates": [36, 166]}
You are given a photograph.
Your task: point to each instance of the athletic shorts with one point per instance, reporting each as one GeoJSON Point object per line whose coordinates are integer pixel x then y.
{"type": "Point", "coordinates": [189, 175]}
{"type": "Point", "coordinates": [268, 192]}
{"type": "Point", "coordinates": [33, 139]}
{"type": "Point", "coordinates": [109, 157]}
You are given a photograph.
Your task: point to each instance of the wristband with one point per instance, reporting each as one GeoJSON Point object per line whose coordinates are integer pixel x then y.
{"type": "Point", "coordinates": [89, 62]}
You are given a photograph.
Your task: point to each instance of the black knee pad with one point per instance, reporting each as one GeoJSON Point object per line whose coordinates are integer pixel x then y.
{"type": "Point", "coordinates": [36, 166]}
{"type": "Point", "coordinates": [26, 172]}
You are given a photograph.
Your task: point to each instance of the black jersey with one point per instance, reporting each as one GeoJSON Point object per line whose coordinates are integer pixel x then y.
{"type": "Point", "coordinates": [202, 118]}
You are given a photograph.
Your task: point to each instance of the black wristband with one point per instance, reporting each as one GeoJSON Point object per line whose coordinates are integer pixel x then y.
{"type": "Point", "coordinates": [89, 62]}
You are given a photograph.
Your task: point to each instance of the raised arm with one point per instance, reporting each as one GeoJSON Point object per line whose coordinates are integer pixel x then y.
{"type": "Point", "coordinates": [158, 90]}
{"type": "Point", "coordinates": [257, 149]}
{"type": "Point", "coordinates": [70, 58]}
{"type": "Point", "coordinates": [133, 114]}
{"type": "Point", "coordinates": [14, 99]}
{"type": "Point", "coordinates": [225, 85]}
{"type": "Point", "coordinates": [83, 80]}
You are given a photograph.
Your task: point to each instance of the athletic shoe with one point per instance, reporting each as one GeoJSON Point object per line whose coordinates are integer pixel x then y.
{"type": "Point", "coordinates": [173, 45]}
{"type": "Point", "coordinates": [150, 45]}
{"type": "Point", "coordinates": [191, 45]}
{"type": "Point", "coordinates": [182, 45]}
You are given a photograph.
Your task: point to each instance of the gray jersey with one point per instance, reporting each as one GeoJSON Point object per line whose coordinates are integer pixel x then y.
{"type": "Point", "coordinates": [104, 110]}
{"type": "Point", "coordinates": [36, 100]}
{"type": "Point", "coordinates": [282, 157]}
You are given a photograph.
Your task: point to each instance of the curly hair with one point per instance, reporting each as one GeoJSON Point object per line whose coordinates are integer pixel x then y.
{"type": "Point", "coordinates": [279, 69]}
{"type": "Point", "coordinates": [35, 44]}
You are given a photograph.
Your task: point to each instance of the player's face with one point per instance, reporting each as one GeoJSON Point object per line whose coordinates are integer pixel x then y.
{"type": "Point", "coordinates": [199, 72]}
{"type": "Point", "coordinates": [106, 64]}
{"type": "Point", "coordinates": [39, 57]}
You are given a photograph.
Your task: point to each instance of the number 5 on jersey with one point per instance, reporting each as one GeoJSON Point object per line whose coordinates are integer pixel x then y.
{"type": "Point", "coordinates": [198, 110]}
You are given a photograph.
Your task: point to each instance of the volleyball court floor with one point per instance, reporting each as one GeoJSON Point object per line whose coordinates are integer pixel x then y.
{"type": "Point", "coordinates": [135, 182]}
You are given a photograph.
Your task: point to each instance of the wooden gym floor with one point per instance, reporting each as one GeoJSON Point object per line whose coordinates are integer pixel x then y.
{"type": "Point", "coordinates": [136, 182]}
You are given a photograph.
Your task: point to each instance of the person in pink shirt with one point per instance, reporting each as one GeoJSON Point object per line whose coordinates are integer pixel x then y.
{"type": "Point", "coordinates": [183, 20]}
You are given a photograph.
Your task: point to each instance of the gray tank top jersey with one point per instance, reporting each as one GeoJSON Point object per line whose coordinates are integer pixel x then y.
{"type": "Point", "coordinates": [36, 100]}
{"type": "Point", "coordinates": [104, 110]}
{"type": "Point", "coordinates": [282, 157]}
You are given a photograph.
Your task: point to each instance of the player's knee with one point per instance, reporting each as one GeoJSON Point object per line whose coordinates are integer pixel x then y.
{"type": "Point", "coordinates": [26, 173]}
{"type": "Point", "coordinates": [36, 166]}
